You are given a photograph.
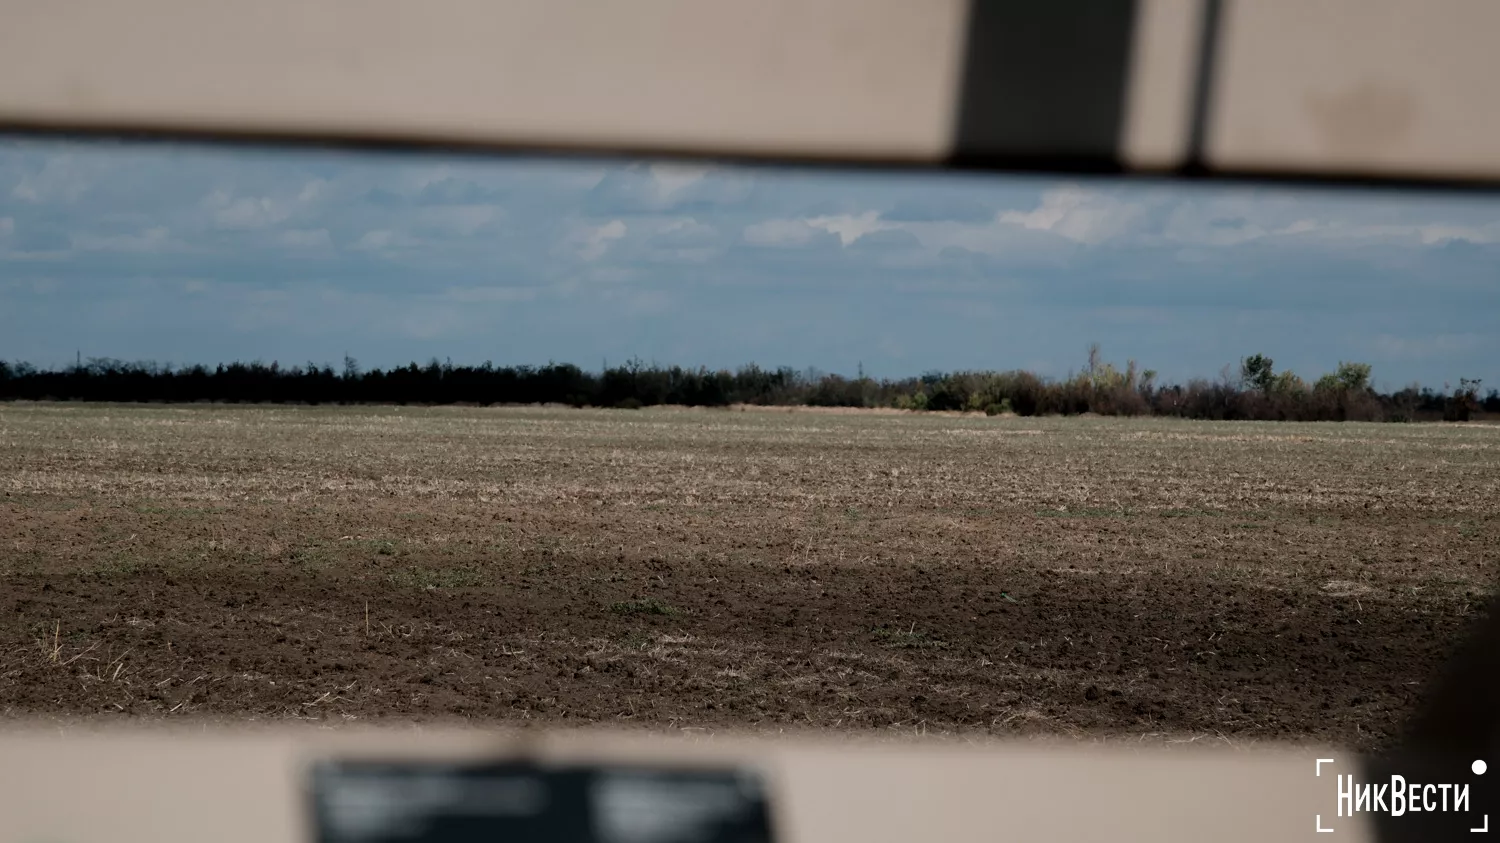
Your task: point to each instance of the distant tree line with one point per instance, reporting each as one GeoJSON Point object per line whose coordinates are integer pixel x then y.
{"type": "Point", "coordinates": [1256, 391]}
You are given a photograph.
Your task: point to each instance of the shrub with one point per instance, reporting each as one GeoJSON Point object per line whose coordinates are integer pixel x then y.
{"type": "Point", "coordinates": [1464, 402]}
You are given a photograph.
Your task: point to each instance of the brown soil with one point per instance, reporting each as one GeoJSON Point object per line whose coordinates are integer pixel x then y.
{"type": "Point", "coordinates": [1091, 578]}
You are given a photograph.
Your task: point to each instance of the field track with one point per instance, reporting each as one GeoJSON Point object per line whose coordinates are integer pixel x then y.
{"type": "Point", "coordinates": [721, 569]}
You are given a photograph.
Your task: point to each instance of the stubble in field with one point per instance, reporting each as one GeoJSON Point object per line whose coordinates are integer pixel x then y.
{"type": "Point", "coordinates": [699, 569]}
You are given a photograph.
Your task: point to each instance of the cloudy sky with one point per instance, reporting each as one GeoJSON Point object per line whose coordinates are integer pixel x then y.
{"type": "Point", "coordinates": [203, 254]}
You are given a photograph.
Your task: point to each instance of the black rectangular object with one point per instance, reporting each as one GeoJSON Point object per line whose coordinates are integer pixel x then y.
{"type": "Point", "coordinates": [1045, 82]}
{"type": "Point", "coordinates": [438, 802]}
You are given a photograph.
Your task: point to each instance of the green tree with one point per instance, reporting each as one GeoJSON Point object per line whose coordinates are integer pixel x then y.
{"type": "Point", "coordinates": [1354, 377]}
{"type": "Point", "coordinates": [1287, 383]}
{"type": "Point", "coordinates": [1257, 372]}
{"type": "Point", "coordinates": [1349, 377]}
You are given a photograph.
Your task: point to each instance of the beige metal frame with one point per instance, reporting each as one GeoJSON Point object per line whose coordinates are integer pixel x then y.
{"type": "Point", "coordinates": [232, 785]}
{"type": "Point", "coordinates": [1377, 89]}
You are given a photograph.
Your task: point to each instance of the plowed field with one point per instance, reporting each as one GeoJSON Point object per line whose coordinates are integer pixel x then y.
{"type": "Point", "coordinates": [713, 569]}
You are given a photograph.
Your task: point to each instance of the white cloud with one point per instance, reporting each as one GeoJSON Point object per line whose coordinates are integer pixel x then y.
{"type": "Point", "coordinates": [157, 239]}
{"type": "Point", "coordinates": [1063, 216]}
{"type": "Point", "coordinates": [483, 295]}
{"type": "Point", "coordinates": [1391, 346]}
{"type": "Point", "coordinates": [683, 240]}
{"type": "Point", "coordinates": [384, 239]}
{"type": "Point", "coordinates": [311, 191]}
{"type": "Point", "coordinates": [796, 232]}
{"type": "Point", "coordinates": [674, 178]}
{"type": "Point", "coordinates": [1080, 215]}
{"type": "Point", "coordinates": [375, 239]}
{"type": "Point", "coordinates": [781, 232]}
{"type": "Point", "coordinates": [304, 238]}
{"type": "Point", "coordinates": [648, 188]}
{"type": "Point", "coordinates": [460, 219]}
{"type": "Point", "coordinates": [994, 239]}
{"type": "Point", "coordinates": [249, 212]}
{"type": "Point", "coordinates": [1432, 235]}
{"type": "Point", "coordinates": [687, 227]}
{"type": "Point", "coordinates": [1194, 225]}
{"type": "Point", "coordinates": [61, 178]}
{"type": "Point", "coordinates": [37, 286]}
{"type": "Point", "coordinates": [596, 240]}
{"type": "Point", "coordinates": [638, 302]}
{"type": "Point", "coordinates": [582, 179]}
{"type": "Point", "coordinates": [245, 212]}
{"type": "Point", "coordinates": [1235, 218]}
{"type": "Point", "coordinates": [850, 228]}
{"type": "Point", "coordinates": [1435, 234]}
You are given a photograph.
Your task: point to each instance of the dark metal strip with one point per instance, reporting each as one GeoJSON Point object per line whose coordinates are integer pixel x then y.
{"type": "Point", "coordinates": [1203, 85]}
{"type": "Point", "coordinates": [1044, 83]}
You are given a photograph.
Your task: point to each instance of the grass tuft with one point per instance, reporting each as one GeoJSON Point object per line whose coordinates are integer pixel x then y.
{"type": "Point", "coordinates": [649, 606]}
{"type": "Point", "coordinates": [905, 639]}
{"type": "Point", "coordinates": [434, 578]}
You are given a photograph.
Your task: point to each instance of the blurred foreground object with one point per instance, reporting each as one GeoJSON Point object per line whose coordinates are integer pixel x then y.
{"type": "Point", "coordinates": [1327, 89]}
{"type": "Point", "coordinates": [163, 786]}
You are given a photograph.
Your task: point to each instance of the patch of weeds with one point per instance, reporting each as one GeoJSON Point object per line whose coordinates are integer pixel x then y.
{"type": "Point", "coordinates": [636, 640]}
{"type": "Point", "coordinates": [539, 568]}
{"type": "Point", "coordinates": [435, 578]}
{"type": "Point", "coordinates": [1229, 572]}
{"type": "Point", "coordinates": [655, 507]}
{"type": "Point", "coordinates": [1086, 512]}
{"type": "Point", "coordinates": [853, 514]}
{"type": "Point", "coordinates": [1449, 581]}
{"type": "Point", "coordinates": [41, 504]}
{"type": "Point", "coordinates": [905, 639]}
{"type": "Point", "coordinates": [649, 606]}
{"type": "Point", "coordinates": [1188, 513]}
{"type": "Point", "coordinates": [311, 558]}
{"type": "Point", "coordinates": [547, 546]}
{"type": "Point", "coordinates": [380, 547]}
{"type": "Point", "coordinates": [120, 567]}
{"type": "Point", "coordinates": [181, 511]}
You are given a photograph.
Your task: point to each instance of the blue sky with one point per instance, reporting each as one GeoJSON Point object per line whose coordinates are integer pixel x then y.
{"type": "Point", "coordinates": [181, 253]}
